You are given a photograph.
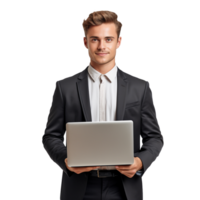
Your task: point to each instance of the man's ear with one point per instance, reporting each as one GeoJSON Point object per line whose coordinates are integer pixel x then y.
{"type": "Point", "coordinates": [119, 42]}
{"type": "Point", "coordinates": [84, 42]}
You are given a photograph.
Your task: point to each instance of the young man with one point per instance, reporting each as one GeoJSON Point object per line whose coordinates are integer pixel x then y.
{"type": "Point", "coordinates": [103, 92]}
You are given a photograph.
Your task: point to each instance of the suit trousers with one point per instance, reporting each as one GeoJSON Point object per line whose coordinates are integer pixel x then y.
{"type": "Point", "coordinates": [109, 188]}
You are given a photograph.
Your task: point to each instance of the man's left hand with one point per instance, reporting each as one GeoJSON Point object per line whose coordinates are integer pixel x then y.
{"type": "Point", "coordinates": [130, 170]}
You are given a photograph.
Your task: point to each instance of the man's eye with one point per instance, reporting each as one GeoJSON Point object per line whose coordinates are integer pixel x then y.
{"type": "Point", "coordinates": [108, 39]}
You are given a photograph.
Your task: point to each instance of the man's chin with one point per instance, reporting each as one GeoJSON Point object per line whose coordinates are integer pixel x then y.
{"type": "Point", "coordinates": [102, 62]}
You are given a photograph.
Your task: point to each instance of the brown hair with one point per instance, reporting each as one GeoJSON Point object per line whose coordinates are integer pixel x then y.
{"type": "Point", "coordinates": [99, 17]}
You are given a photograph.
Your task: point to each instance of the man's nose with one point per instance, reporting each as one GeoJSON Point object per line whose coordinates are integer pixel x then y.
{"type": "Point", "coordinates": [101, 44]}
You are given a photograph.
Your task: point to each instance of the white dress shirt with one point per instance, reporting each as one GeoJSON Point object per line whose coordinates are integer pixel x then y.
{"type": "Point", "coordinates": [103, 97]}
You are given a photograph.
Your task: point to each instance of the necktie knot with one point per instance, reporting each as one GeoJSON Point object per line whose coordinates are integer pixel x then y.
{"type": "Point", "coordinates": [101, 78]}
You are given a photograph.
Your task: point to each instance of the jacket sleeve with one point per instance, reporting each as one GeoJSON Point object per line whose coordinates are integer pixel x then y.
{"type": "Point", "coordinates": [55, 129]}
{"type": "Point", "coordinates": [151, 135]}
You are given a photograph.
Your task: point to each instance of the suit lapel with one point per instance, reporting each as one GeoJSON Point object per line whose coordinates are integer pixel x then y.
{"type": "Point", "coordinates": [121, 94]}
{"type": "Point", "coordinates": [82, 85]}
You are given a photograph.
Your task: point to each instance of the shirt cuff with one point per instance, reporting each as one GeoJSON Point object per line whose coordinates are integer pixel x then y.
{"type": "Point", "coordinates": [139, 172]}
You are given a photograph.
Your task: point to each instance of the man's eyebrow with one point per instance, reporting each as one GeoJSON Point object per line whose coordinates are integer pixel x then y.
{"type": "Point", "coordinates": [105, 37]}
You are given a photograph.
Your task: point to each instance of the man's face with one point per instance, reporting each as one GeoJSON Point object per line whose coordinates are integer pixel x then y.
{"type": "Point", "coordinates": [102, 39]}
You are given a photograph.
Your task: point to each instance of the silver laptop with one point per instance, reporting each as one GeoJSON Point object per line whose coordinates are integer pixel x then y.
{"type": "Point", "coordinates": [103, 143]}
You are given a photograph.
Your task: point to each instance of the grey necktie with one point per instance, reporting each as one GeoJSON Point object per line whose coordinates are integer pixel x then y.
{"type": "Point", "coordinates": [102, 99]}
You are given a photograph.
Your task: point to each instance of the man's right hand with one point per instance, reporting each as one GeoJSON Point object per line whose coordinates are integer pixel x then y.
{"type": "Point", "coordinates": [79, 170]}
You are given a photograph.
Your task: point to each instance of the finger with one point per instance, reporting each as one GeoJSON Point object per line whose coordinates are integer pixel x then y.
{"type": "Point", "coordinates": [125, 169]}
{"type": "Point", "coordinates": [84, 169]}
{"type": "Point", "coordinates": [125, 166]}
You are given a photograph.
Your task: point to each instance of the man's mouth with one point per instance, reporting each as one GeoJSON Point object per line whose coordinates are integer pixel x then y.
{"type": "Point", "coordinates": [101, 54]}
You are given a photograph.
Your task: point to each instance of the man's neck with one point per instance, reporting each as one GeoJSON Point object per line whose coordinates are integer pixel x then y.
{"type": "Point", "coordinates": [103, 69]}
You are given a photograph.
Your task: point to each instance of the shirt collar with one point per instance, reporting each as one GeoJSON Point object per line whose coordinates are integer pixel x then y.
{"type": "Point", "coordinates": [94, 74]}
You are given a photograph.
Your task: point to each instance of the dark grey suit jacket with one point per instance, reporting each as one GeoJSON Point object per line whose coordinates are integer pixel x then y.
{"type": "Point", "coordinates": [71, 104]}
